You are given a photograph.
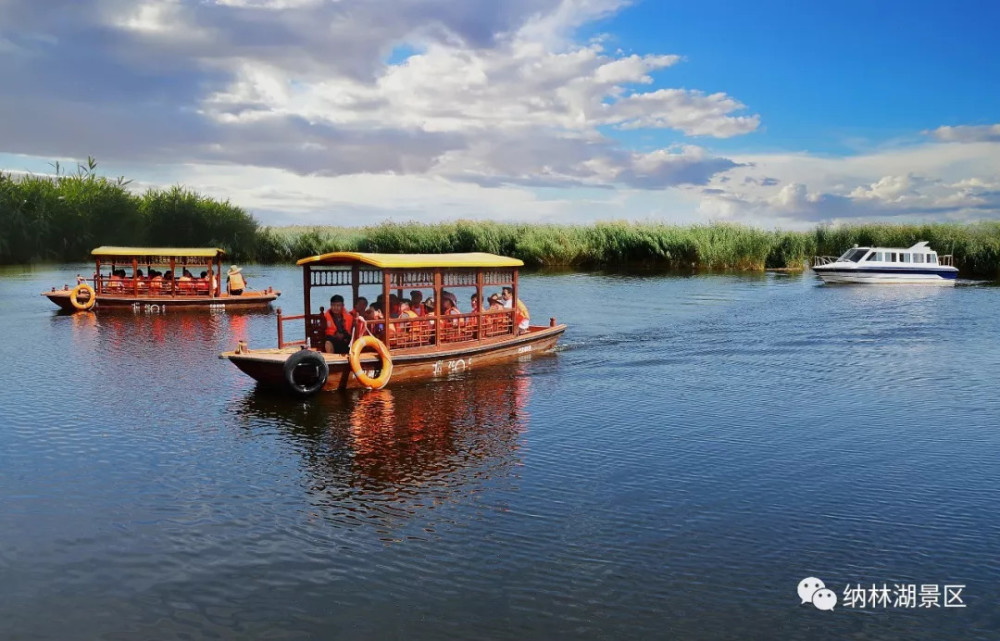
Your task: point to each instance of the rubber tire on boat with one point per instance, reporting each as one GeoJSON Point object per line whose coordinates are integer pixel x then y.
{"type": "Point", "coordinates": [354, 358]}
{"type": "Point", "coordinates": [305, 357]}
{"type": "Point", "coordinates": [74, 297]}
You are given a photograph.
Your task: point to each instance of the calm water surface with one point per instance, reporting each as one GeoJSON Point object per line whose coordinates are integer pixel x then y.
{"type": "Point", "coordinates": [696, 447]}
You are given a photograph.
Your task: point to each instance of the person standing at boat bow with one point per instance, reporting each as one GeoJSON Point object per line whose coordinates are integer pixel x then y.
{"type": "Point", "coordinates": [235, 280]}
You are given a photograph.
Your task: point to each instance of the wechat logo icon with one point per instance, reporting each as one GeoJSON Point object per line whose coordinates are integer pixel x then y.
{"type": "Point", "coordinates": [813, 590]}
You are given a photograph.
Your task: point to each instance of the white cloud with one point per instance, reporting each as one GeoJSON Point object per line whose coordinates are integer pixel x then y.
{"type": "Point", "coordinates": [494, 93]}
{"type": "Point", "coordinates": [921, 182]}
{"type": "Point", "coordinates": [967, 133]}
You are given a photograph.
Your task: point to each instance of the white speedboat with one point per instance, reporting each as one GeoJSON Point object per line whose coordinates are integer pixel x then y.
{"type": "Point", "coordinates": [888, 265]}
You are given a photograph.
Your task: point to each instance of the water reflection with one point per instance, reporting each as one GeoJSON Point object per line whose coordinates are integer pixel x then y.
{"type": "Point", "coordinates": [390, 454]}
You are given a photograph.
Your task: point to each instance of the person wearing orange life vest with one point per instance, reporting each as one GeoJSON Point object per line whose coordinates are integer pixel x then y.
{"type": "Point", "coordinates": [521, 317]}
{"type": "Point", "coordinates": [403, 329]}
{"type": "Point", "coordinates": [235, 281]}
{"type": "Point", "coordinates": [417, 302]}
{"type": "Point", "coordinates": [339, 323]}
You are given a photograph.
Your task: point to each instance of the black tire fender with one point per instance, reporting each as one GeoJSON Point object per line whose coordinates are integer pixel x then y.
{"type": "Point", "coordinates": [306, 357]}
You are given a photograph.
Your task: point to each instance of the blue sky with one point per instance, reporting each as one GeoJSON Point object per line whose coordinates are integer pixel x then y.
{"type": "Point", "coordinates": [829, 76]}
{"type": "Point", "coordinates": [777, 114]}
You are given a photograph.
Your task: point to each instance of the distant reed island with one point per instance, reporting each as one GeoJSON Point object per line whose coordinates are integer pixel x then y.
{"type": "Point", "coordinates": [61, 218]}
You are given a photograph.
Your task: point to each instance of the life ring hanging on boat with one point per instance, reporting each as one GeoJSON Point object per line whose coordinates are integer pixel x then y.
{"type": "Point", "coordinates": [303, 358]}
{"type": "Point", "coordinates": [74, 297]}
{"type": "Point", "coordinates": [354, 358]}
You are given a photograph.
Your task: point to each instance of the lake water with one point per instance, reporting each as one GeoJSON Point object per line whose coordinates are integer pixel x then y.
{"type": "Point", "coordinates": [695, 447]}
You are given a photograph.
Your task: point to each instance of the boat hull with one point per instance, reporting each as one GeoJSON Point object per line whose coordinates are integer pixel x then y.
{"type": "Point", "coordinates": [159, 304]}
{"type": "Point", "coordinates": [267, 365]}
{"type": "Point", "coordinates": [945, 278]}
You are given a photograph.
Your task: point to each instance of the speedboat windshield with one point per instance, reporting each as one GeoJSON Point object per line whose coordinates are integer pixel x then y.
{"type": "Point", "coordinates": [853, 255]}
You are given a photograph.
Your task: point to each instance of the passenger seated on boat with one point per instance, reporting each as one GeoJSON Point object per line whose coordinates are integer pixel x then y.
{"type": "Point", "coordinates": [236, 283]}
{"type": "Point", "coordinates": [375, 313]}
{"type": "Point", "coordinates": [155, 281]}
{"type": "Point", "coordinates": [500, 322]}
{"type": "Point", "coordinates": [393, 305]}
{"type": "Point", "coordinates": [451, 329]}
{"type": "Point", "coordinates": [417, 302]}
{"type": "Point", "coordinates": [361, 307]}
{"type": "Point", "coordinates": [116, 282]}
{"type": "Point", "coordinates": [338, 326]}
{"type": "Point", "coordinates": [472, 323]}
{"type": "Point", "coordinates": [185, 283]}
{"type": "Point", "coordinates": [201, 284]}
{"type": "Point", "coordinates": [406, 311]}
{"type": "Point", "coordinates": [521, 317]}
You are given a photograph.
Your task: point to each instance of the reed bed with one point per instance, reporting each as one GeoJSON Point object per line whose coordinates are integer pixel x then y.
{"type": "Point", "coordinates": [62, 217]}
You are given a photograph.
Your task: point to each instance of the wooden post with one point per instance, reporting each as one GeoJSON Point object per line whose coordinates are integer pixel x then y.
{"type": "Point", "coordinates": [387, 312]}
{"type": "Point", "coordinates": [307, 297]}
{"type": "Point", "coordinates": [437, 305]}
{"type": "Point", "coordinates": [479, 298]}
{"type": "Point", "coordinates": [355, 284]}
{"type": "Point", "coordinates": [98, 286]}
{"type": "Point", "coordinates": [173, 277]}
{"type": "Point", "coordinates": [513, 307]}
{"type": "Point", "coordinates": [135, 278]}
{"type": "Point", "coordinates": [322, 338]}
{"type": "Point", "coordinates": [281, 331]}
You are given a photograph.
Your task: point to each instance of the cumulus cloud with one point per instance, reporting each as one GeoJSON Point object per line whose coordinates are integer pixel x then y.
{"type": "Point", "coordinates": [490, 92]}
{"type": "Point", "coordinates": [922, 182]}
{"type": "Point", "coordinates": [967, 133]}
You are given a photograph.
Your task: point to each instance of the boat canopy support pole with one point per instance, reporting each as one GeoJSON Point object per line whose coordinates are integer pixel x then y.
{"type": "Point", "coordinates": [437, 305]}
{"type": "Point", "coordinates": [479, 299]}
{"type": "Point", "coordinates": [307, 299]}
{"type": "Point", "coordinates": [387, 307]}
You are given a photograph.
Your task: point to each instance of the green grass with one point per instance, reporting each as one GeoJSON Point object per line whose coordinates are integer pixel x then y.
{"type": "Point", "coordinates": [62, 218]}
{"type": "Point", "coordinates": [976, 246]}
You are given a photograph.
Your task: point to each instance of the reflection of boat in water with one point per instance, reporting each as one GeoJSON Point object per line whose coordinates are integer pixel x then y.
{"type": "Point", "coordinates": [138, 291]}
{"type": "Point", "coordinates": [416, 347]}
{"type": "Point", "coordinates": [387, 453]}
{"type": "Point", "coordinates": [918, 264]}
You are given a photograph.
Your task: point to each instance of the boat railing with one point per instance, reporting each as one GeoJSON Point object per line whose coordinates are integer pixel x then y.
{"type": "Point", "coordinates": [146, 287]}
{"type": "Point", "coordinates": [405, 333]}
{"type": "Point", "coordinates": [823, 260]}
{"type": "Point", "coordinates": [421, 331]}
{"type": "Point", "coordinates": [314, 322]}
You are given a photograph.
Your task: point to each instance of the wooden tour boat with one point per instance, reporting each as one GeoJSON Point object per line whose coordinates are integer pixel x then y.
{"type": "Point", "coordinates": [157, 295]}
{"type": "Point", "coordinates": [426, 347]}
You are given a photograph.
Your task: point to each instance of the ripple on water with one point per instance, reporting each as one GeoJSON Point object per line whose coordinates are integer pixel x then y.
{"type": "Point", "coordinates": [712, 431]}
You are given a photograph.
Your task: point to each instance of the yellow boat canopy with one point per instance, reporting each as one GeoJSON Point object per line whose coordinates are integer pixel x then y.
{"type": "Point", "coordinates": [179, 252]}
{"type": "Point", "coordinates": [413, 261]}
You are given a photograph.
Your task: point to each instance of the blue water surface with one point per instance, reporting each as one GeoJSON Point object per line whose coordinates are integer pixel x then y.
{"type": "Point", "coordinates": [694, 448]}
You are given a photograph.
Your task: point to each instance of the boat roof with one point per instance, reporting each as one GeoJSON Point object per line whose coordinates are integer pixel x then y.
{"type": "Point", "coordinates": [186, 252]}
{"type": "Point", "coordinates": [921, 246]}
{"type": "Point", "coordinates": [413, 261]}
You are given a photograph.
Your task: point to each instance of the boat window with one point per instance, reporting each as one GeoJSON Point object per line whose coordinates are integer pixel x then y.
{"type": "Point", "coordinates": [892, 257]}
{"type": "Point", "coordinates": [853, 255]}
{"type": "Point", "coordinates": [932, 258]}
{"type": "Point", "coordinates": [904, 258]}
{"type": "Point", "coordinates": [918, 258]}
{"type": "Point", "coordinates": [875, 256]}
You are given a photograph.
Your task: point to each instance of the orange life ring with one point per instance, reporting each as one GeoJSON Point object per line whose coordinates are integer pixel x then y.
{"type": "Point", "coordinates": [354, 358]}
{"type": "Point", "coordinates": [74, 297]}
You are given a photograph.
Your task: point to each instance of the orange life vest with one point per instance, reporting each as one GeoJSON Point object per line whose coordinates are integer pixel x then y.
{"type": "Point", "coordinates": [521, 314]}
{"type": "Point", "coordinates": [236, 282]}
{"type": "Point", "coordinates": [347, 321]}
